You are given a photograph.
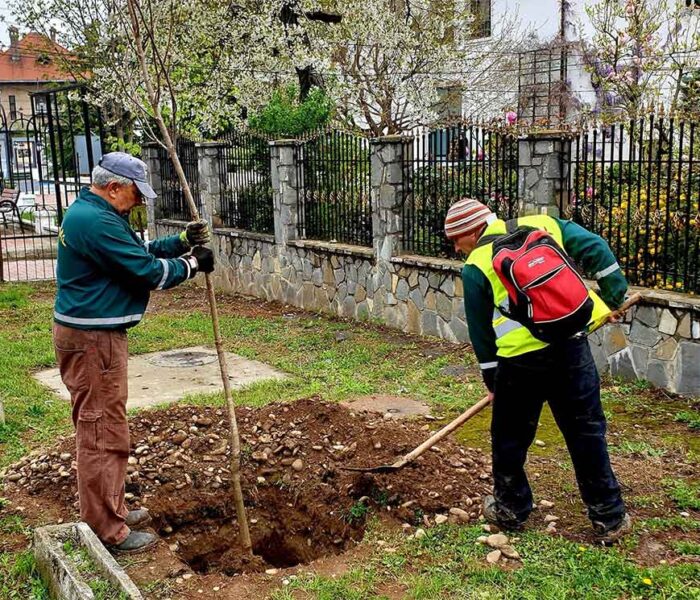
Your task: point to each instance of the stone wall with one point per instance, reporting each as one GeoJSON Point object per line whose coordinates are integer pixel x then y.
{"type": "Point", "coordinates": [659, 341]}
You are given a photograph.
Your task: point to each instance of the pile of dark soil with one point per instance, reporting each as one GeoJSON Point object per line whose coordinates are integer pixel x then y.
{"type": "Point", "coordinates": [301, 504]}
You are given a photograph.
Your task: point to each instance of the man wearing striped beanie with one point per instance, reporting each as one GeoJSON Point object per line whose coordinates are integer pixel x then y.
{"type": "Point", "coordinates": [522, 372]}
{"type": "Point", "coordinates": [466, 220]}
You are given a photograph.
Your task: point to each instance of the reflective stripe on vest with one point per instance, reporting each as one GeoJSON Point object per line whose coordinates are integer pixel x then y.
{"type": "Point", "coordinates": [513, 338]}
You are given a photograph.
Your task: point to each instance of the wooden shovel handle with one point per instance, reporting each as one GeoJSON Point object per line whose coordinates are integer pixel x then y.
{"type": "Point", "coordinates": [629, 303]}
{"type": "Point", "coordinates": [444, 432]}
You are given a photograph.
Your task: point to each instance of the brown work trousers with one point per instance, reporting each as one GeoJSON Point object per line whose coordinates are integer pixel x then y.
{"type": "Point", "coordinates": [93, 365]}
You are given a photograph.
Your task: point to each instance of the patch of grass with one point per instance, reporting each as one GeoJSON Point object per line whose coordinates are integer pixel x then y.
{"type": "Point", "coordinates": [12, 524]}
{"type": "Point", "coordinates": [14, 297]}
{"type": "Point", "coordinates": [638, 448]}
{"type": "Point", "coordinates": [357, 513]}
{"type": "Point", "coordinates": [667, 524]}
{"type": "Point", "coordinates": [356, 584]}
{"type": "Point", "coordinates": [448, 563]}
{"type": "Point", "coordinates": [20, 579]}
{"type": "Point", "coordinates": [691, 419]}
{"type": "Point", "coordinates": [646, 501]}
{"type": "Point", "coordinates": [686, 547]}
{"type": "Point", "coordinates": [685, 494]}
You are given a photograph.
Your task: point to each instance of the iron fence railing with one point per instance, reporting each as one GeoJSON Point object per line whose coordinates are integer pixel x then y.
{"type": "Point", "coordinates": [333, 170]}
{"type": "Point", "coordinates": [637, 184]}
{"type": "Point", "coordinates": [172, 203]}
{"type": "Point", "coordinates": [442, 166]}
{"type": "Point", "coordinates": [246, 182]}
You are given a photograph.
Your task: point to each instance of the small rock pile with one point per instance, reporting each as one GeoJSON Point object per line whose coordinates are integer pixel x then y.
{"type": "Point", "coordinates": [501, 544]}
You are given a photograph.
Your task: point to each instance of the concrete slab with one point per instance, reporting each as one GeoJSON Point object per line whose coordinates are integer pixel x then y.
{"type": "Point", "coordinates": [397, 406]}
{"type": "Point", "coordinates": [163, 377]}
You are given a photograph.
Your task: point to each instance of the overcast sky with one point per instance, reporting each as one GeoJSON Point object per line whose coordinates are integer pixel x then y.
{"type": "Point", "coordinates": [4, 13]}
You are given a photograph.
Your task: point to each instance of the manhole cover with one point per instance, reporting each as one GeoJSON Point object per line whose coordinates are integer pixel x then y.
{"type": "Point", "coordinates": [182, 358]}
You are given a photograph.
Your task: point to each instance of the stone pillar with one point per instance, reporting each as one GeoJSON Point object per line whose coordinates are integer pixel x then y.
{"type": "Point", "coordinates": [284, 155]}
{"type": "Point", "coordinates": [149, 155]}
{"type": "Point", "coordinates": [386, 156]}
{"type": "Point", "coordinates": [543, 170]}
{"type": "Point", "coordinates": [209, 162]}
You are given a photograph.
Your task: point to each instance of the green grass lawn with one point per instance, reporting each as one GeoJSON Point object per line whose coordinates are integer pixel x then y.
{"type": "Point", "coordinates": [447, 563]}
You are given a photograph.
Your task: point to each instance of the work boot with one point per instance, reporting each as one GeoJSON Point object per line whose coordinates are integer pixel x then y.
{"type": "Point", "coordinates": [499, 515]}
{"type": "Point", "coordinates": [137, 517]}
{"type": "Point", "coordinates": [609, 535]}
{"type": "Point", "coordinates": [136, 541]}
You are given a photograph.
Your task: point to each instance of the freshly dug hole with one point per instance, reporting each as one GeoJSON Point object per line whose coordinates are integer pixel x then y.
{"type": "Point", "coordinates": [284, 534]}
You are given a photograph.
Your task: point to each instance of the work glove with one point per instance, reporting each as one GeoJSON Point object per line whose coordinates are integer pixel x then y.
{"type": "Point", "coordinates": [196, 234]}
{"type": "Point", "coordinates": [200, 259]}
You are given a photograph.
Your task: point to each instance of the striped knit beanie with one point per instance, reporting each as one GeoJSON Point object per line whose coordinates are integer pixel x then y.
{"type": "Point", "coordinates": [466, 216]}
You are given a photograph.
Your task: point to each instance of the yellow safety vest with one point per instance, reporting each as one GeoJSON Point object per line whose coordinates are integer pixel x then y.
{"type": "Point", "coordinates": [513, 338]}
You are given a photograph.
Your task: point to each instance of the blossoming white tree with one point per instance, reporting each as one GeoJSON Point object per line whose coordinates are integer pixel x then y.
{"type": "Point", "coordinates": [640, 52]}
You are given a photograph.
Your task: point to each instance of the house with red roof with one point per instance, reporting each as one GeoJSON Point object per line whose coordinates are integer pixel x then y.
{"type": "Point", "coordinates": [30, 64]}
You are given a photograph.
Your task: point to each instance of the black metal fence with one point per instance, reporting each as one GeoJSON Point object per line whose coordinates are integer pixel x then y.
{"type": "Point", "coordinates": [334, 186]}
{"type": "Point", "coordinates": [246, 182]}
{"type": "Point", "coordinates": [172, 204]}
{"type": "Point", "coordinates": [47, 153]}
{"type": "Point", "coordinates": [637, 184]}
{"type": "Point", "coordinates": [445, 165]}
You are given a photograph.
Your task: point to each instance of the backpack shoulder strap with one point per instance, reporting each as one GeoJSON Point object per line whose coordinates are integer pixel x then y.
{"type": "Point", "coordinates": [487, 239]}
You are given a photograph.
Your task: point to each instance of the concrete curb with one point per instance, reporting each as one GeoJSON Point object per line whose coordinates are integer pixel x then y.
{"type": "Point", "coordinates": [61, 575]}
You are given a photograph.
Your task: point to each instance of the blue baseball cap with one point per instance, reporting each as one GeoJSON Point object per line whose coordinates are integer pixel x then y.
{"type": "Point", "coordinates": [125, 165]}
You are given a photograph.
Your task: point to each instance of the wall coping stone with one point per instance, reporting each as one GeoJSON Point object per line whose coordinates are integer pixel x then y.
{"type": "Point", "coordinates": [284, 142]}
{"type": "Point", "coordinates": [333, 248]}
{"type": "Point", "coordinates": [210, 144]}
{"type": "Point", "coordinates": [668, 299]}
{"type": "Point", "coordinates": [243, 233]}
{"type": "Point", "coordinates": [429, 262]}
{"type": "Point", "coordinates": [545, 134]}
{"type": "Point", "coordinates": [388, 139]}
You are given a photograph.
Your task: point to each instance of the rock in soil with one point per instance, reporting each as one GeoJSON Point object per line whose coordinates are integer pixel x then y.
{"type": "Point", "coordinates": [493, 557]}
{"type": "Point", "coordinates": [297, 494]}
{"type": "Point", "coordinates": [509, 552]}
{"type": "Point", "coordinates": [497, 540]}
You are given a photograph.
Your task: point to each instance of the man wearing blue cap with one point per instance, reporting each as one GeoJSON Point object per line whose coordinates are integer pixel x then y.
{"type": "Point", "coordinates": [105, 274]}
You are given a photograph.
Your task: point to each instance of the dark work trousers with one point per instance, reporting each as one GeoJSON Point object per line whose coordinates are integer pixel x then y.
{"type": "Point", "coordinates": [564, 375]}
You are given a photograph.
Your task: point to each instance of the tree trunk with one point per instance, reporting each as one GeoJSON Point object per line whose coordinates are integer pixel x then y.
{"type": "Point", "coordinates": [234, 438]}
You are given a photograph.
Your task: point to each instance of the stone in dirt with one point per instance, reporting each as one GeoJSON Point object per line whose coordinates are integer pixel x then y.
{"type": "Point", "coordinates": [496, 540]}
{"type": "Point", "coordinates": [551, 519]}
{"type": "Point", "coordinates": [546, 504]}
{"type": "Point", "coordinates": [462, 515]}
{"type": "Point", "coordinates": [440, 519]}
{"type": "Point", "coordinates": [510, 552]}
{"type": "Point", "coordinates": [540, 443]}
{"type": "Point", "coordinates": [493, 557]}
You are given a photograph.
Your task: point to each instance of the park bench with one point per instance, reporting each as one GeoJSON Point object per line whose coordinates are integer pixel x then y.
{"type": "Point", "coordinates": [8, 206]}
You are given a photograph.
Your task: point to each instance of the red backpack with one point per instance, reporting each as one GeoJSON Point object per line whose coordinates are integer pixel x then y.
{"type": "Point", "coordinates": [545, 292]}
